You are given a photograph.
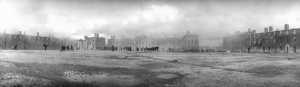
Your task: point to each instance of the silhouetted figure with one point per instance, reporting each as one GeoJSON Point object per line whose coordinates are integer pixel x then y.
{"type": "Point", "coordinates": [63, 48]}
{"type": "Point", "coordinates": [45, 46]}
{"type": "Point", "coordinates": [113, 48]}
{"type": "Point", "coordinates": [127, 49]}
{"type": "Point", "coordinates": [68, 48]}
{"type": "Point", "coordinates": [71, 48]}
{"type": "Point", "coordinates": [15, 47]}
{"type": "Point", "coordinates": [249, 49]}
{"type": "Point", "coordinates": [156, 48]}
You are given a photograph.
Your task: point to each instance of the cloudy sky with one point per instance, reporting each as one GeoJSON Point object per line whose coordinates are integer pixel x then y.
{"type": "Point", "coordinates": [126, 18]}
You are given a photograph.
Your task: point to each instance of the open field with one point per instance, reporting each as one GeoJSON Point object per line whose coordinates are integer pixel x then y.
{"type": "Point", "coordinates": [34, 68]}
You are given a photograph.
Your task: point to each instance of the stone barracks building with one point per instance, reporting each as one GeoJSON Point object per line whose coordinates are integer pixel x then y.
{"type": "Point", "coordinates": [284, 41]}
{"type": "Point", "coordinates": [187, 43]}
{"type": "Point", "coordinates": [91, 42]}
{"type": "Point", "coordinates": [23, 41]}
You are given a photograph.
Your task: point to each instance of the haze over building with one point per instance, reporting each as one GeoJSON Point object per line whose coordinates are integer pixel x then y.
{"type": "Point", "coordinates": [211, 20]}
{"type": "Point", "coordinates": [188, 42]}
{"type": "Point", "coordinates": [283, 40]}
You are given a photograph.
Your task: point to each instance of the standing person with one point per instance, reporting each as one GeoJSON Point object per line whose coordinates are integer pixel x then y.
{"type": "Point", "coordinates": [62, 48]}
{"type": "Point", "coordinates": [67, 47]}
{"type": "Point", "coordinates": [45, 46]}
{"type": "Point", "coordinates": [72, 47]}
{"type": "Point", "coordinates": [16, 47]}
{"type": "Point", "coordinates": [249, 49]}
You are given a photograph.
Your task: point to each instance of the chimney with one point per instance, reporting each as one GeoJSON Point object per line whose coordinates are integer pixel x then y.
{"type": "Point", "coordinates": [266, 30]}
{"type": "Point", "coordinates": [286, 26]}
{"type": "Point", "coordinates": [270, 29]}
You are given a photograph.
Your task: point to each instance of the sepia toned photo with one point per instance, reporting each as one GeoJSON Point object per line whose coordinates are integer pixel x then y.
{"type": "Point", "coordinates": [149, 43]}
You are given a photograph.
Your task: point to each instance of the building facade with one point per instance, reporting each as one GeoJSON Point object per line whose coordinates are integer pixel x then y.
{"type": "Point", "coordinates": [188, 42]}
{"type": "Point", "coordinates": [92, 43]}
{"type": "Point", "coordinates": [22, 41]}
{"type": "Point", "coordinates": [268, 41]}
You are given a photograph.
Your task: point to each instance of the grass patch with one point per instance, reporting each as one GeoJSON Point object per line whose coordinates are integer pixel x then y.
{"type": "Point", "coordinates": [297, 74]}
{"type": "Point", "coordinates": [267, 71]}
{"type": "Point", "coordinates": [157, 65]}
{"type": "Point", "coordinates": [55, 73]}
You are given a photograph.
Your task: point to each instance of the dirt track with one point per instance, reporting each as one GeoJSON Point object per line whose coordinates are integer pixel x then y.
{"type": "Point", "coordinates": [115, 69]}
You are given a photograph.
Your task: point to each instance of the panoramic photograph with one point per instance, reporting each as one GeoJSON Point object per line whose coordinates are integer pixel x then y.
{"type": "Point", "coordinates": [149, 43]}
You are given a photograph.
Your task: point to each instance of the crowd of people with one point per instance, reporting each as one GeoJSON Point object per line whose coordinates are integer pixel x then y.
{"type": "Point", "coordinates": [139, 49]}
{"type": "Point", "coordinates": [66, 48]}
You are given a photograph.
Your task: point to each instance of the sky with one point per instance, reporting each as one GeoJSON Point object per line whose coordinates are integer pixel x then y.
{"type": "Point", "coordinates": [210, 19]}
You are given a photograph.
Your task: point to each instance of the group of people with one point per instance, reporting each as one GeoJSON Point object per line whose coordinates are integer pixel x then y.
{"type": "Point", "coordinates": [140, 49]}
{"type": "Point", "coordinates": [66, 47]}
{"type": "Point", "coordinates": [70, 47]}
{"type": "Point", "coordinates": [44, 46]}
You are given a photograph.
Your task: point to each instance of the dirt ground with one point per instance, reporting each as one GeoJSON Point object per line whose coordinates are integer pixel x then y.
{"type": "Point", "coordinates": [35, 68]}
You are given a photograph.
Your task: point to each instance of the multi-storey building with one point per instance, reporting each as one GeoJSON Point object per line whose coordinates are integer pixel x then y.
{"type": "Point", "coordinates": [92, 43]}
{"type": "Point", "coordinates": [190, 42]}
{"type": "Point", "coordinates": [267, 41]}
{"type": "Point", "coordinates": [29, 42]}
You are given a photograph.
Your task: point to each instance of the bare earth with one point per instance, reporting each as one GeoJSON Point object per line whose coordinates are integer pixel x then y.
{"type": "Point", "coordinates": [34, 68]}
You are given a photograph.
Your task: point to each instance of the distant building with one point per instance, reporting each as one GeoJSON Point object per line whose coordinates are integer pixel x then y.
{"type": "Point", "coordinates": [82, 44]}
{"type": "Point", "coordinates": [190, 42]}
{"type": "Point", "coordinates": [171, 44]}
{"type": "Point", "coordinates": [267, 41]}
{"type": "Point", "coordinates": [144, 42]}
{"type": "Point", "coordinates": [22, 41]}
{"type": "Point", "coordinates": [111, 42]}
{"type": "Point", "coordinates": [92, 43]}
